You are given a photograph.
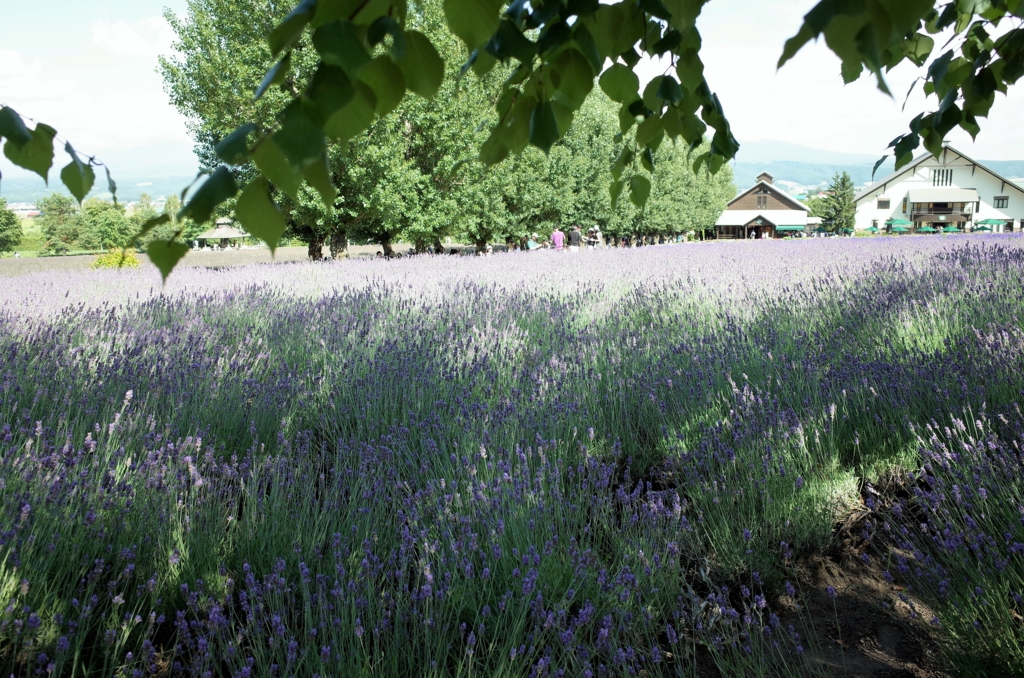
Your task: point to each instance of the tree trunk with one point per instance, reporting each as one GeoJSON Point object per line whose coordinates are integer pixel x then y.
{"type": "Point", "coordinates": [339, 245]}
{"type": "Point", "coordinates": [438, 247]}
{"type": "Point", "coordinates": [481, 246]}
{"type": "Point", "coordinates": [420, 245]}
{"type": "Point", "coordinates": [386, 246]}
{"type": "Point", "coordinates": [316, 246]}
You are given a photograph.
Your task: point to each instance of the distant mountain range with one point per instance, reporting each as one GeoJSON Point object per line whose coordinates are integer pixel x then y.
{"type": "Point", "coordinates": [800, 168]}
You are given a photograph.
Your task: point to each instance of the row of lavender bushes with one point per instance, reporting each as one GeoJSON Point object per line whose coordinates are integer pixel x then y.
{"type": "Point", "coordinates": [610, 478]}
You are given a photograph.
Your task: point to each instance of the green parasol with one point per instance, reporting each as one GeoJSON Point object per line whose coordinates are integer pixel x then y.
{"type": "Point", "coordinates": [899, 222]}
{"type": "Point", "coordinates": [950, 229]}
{"type": "Point", "coordinates": [898, 229]}
{"type": "Point", "coordinates": [873, 229]}
{"type": "Point", "coordinates": [926, 229]}
{"type": "Point", "coordinates": [821, 229]}
{"type": "Point", "coordinates": [982, 228]}
{"type": "Point", "coordinates": [991, 222]}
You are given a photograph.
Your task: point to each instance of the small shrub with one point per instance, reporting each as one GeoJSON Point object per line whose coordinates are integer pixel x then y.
{"type": "Point", "coordinates": [117, 259]}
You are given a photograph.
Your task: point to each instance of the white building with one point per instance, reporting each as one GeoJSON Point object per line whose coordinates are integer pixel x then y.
{"type": "Point", "coordinates": [949, 190]}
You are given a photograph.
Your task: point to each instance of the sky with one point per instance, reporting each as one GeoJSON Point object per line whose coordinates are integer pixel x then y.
{"type": "Point", "coordinates": [90, 70]}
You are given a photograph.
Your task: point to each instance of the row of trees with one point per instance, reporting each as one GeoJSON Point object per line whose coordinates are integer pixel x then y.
{"type": "Point", "coordinates": [412, 175]}
{"type": "Point", "coordinates": [10, 228]}
{"type": "Point", "coordinates": [100, 224]}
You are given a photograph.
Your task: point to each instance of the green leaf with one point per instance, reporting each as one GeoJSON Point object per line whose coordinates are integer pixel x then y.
{"type": "Point", "coordinates": [77, 175]}
{"type": "Point", "coordinates": [234, 148]}
{"type": "Point", "coordinates": [494, 149]}
{"type": "Point", "coordinates": [669, 91]}
{"type": "Point", "coordinates": [300, 135]}
{"type": "Point", "coordinates": [329, 92]}
{"type": "Point", "coordinates": [639, 189]}
{"type": "Point", "coordinates": [576, 76]}
{"type": "Point", "coordinates": [259, 215]}
{"type": "Point", "coordinates": [150, 224]}
{"type": "Point", "coordinates": [794, 44]}
{"type": "Point", "coordinates": [543, 126]}
{"type": "Point", "coordinates": [341, 44]}
{"type": "Point", "coordinates": [690, 69]}
{"type": "Point", "coordinates": [647, 160]}
{"type": "Point", "coordinates": [616, 190]}
{"type": "Point", "coordinates": [290, 29]}
{"type": "Point", "coordinates": [111, 184]}
{"type": "Point", "coordinates": [12, 127]}
{"type": "Point", "coordinates": [509, 42]}
{"type": "Point", "coordinates": [553, 37]}
{"type": "Point", "coordinates": [621, 84]}
{"type": "Point", "coordinates": [422, 66]}
{"type": "Point", "coordinates": [516, 134]}
{"type": "Point", "coordinates": [381, 28]}
{"type": "Point", "coordinates": [563, 116]}
{"type": "Point", "coordinates": [352, 119]}
{"type": "Point", "coordinates": [585, 41]}
{"type": "Point", "coordinates": [692, 128]}
{"type": "Point", "coordinates": [274, 165]}
{"type": "Point", "coordinates": [37, 154]}
{"type": "Point", "coordinates": [328, 11]}
{"type": "Point", "coordinates": [387, 82]}
{"type": "Point", "coordinates": [473, 21]}
{"type": "Point", "coordinates": [165, 255]}
{"type": "Point", "coordinates": [650, 95]}
{"type": "Point", "coordinates": [617, 28]}
{"type": "Point", "coordinates": [276, 75]}
{"type": "Point", "coordinates": [319, 177]}
{"type": "Point", "coordinates": [626, 119]}
{"type": "Point", "coordinates": [220, 186]}
{"type": "Point", "coordinates": [649, 130]}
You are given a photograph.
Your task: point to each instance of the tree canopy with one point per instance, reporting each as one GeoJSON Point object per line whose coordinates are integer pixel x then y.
{"type": "Point", "coordinates": [10, 228]}
{"type": "Point", "coordinates": [339, 64]}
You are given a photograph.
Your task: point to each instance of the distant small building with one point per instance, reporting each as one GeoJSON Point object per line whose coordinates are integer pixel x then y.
{"type": "Point", "coordinates": [938, 192]}
{"type": "Point", "coordinates": [24, 209]}
{"type": "Point", "coordinates": [763, 211]}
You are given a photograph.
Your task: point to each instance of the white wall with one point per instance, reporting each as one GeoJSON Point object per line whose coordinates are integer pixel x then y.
{"type": "Point", "coordinates": [987, 186]}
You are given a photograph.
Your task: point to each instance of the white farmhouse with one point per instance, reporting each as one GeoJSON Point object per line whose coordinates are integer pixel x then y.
{"type": "Point", "coordinates": [938, 192]}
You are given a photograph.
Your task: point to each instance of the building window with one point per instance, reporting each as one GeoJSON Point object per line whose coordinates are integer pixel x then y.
{"type": "Point", "coordinates": [762, 202]}
{"type": "Point", "coordinates": [1001, 202]}
{"type": "Point", "coordinates": [905, 205]}
{"type": "Point", "coordinates": [883, 203]}
{"type": "Point", "coordinates": [942, 177]}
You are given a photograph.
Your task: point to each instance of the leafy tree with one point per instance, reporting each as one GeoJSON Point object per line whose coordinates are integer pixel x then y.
{"type": "Point", "coordinates": [10, 228]}
{"type": "Point", "coordinates": [337, 65]}
{"type": "Point", "coordinates": [838, 211]}
{"type": "Point", "coordinates": [60, 222]}
{"type": "Point", "coordinates": [104, 225]}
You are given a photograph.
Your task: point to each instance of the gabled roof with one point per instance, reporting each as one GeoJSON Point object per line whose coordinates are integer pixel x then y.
{"type": "Point", "coordinates": [774, 189]}
{"type": "Point", "coordinates": [917, 162]}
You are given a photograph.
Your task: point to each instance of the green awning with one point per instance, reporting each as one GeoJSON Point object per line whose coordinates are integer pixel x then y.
{"type": "Point", "coordinates": [789, 228]}
{"type": "Point", "coordinates": [993, 222]}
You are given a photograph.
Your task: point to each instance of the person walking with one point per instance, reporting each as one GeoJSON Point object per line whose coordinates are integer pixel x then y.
{"type": "Point", "coordinates": [575, 240]}
{"type": "Point", "coordinates": [558, 239]}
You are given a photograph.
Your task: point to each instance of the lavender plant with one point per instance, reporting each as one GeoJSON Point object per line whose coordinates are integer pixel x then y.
{"type": "Point", "coordinates": [519, 465]}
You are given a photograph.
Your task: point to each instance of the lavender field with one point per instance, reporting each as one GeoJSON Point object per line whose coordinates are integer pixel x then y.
{"type": "Point", "coordinates": [606, 464]}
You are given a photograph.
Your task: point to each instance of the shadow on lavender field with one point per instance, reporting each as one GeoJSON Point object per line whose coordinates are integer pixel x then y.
{"type": "Point", "coordinates": [664, 461]}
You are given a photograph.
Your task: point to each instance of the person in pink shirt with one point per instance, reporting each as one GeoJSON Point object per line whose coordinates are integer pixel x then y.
{"type": "Point", "coordinates": [558, 238]}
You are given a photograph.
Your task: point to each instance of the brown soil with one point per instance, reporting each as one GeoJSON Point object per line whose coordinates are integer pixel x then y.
{"type": "Point", "coordinates": [867, 630]}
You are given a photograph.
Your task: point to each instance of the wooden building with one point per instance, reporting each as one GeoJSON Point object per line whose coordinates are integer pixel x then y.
{"type": "Point", "coordinates": [762, 211]}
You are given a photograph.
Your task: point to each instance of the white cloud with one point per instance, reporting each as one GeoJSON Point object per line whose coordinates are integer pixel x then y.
{"type": "Point", "coordinates": [147, 38]}
{"type": "Point", "coordinates": [109, 102]}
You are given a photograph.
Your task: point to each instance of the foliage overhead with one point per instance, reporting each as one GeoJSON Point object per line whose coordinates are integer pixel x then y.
{"type": "Point", "coordinates": [364, 56]}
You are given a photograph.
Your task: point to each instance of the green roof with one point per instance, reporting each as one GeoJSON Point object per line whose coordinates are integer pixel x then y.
{"type": "Point", "coordinates": [789, 228]}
